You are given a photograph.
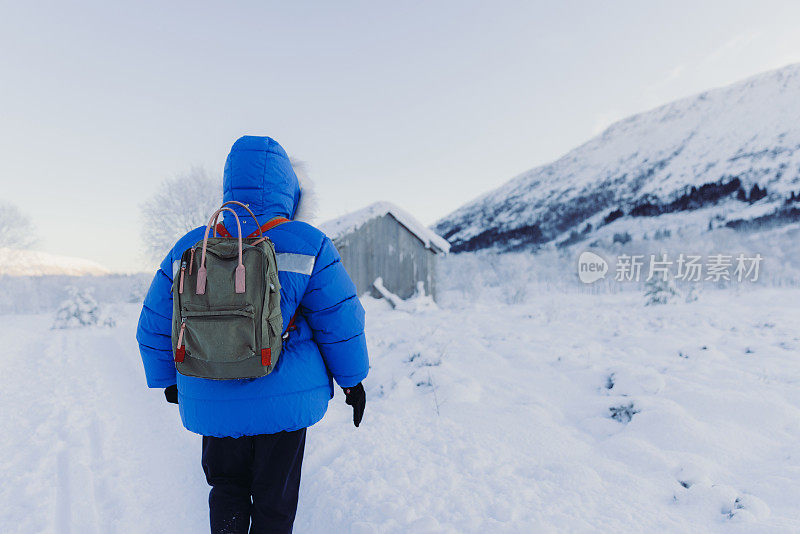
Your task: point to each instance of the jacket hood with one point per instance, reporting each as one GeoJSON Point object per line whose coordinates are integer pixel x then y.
{"type": "Point", "coordinates": [258, 173]}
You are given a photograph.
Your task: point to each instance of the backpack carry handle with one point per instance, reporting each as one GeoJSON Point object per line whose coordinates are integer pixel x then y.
{"type": "Point", "coordinates": [200, 289]}
{"type": "Point", "coordinates": [245, 206]}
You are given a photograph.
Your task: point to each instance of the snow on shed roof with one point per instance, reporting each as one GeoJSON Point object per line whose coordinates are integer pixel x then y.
{"type": "Point", "coordinates": [352, 221]}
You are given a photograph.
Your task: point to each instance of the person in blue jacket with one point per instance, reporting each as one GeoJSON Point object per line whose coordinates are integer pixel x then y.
{"type": "Point", "coordinates": [254, 429]}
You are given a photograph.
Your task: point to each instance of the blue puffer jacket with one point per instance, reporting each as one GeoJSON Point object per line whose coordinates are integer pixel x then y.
{"type": "Point", "coordinates": [329, 340]}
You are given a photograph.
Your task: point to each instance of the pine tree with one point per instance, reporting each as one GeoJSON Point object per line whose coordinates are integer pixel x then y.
{"type": "Point", "coordinates": [657, 290]}
{"type": "Point", "coordinates": [741, 195]}
{"type": "Point", "coordinates": [80, 309]}
{"type": "Point", "coordinates": [756, 193]}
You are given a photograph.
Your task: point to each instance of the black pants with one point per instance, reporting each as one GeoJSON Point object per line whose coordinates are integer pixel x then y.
{"type": "Point", "coordinates": [253, 478]}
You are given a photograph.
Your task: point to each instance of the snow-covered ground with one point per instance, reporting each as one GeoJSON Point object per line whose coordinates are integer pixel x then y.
{"type": "Point", "coordinates": [484, 417]}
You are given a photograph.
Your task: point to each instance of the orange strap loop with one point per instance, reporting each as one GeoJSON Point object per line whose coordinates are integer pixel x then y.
{"type": "Point", "coordinates": [269, 225]}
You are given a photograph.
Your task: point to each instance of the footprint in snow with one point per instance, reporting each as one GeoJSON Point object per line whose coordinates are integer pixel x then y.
{"type": "Point", "coordinates": [632, 382]}
{"type": "Point", "coordinates": [747, 508]}
{"type": "Point", "coordinates": [698, 491]}
{"type": "Point", "coordinates": [623, 413]}
{"type": "Point", "coordinates": [610, 381]}
{"type": "Point", "coordinates": [692, 473]}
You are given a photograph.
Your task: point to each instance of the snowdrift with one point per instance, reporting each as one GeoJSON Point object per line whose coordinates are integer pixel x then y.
{"type": "Point", "coordinates": [572, 413]}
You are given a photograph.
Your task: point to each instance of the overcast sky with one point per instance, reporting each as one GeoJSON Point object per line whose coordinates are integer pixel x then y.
{"type": "Point", "coordinates": [426, 104]}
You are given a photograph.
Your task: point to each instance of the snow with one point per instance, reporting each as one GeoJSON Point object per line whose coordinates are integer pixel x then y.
{"type": "Point", "coordinates": [349, 223]}
{"type": "Point", "coordinates": [749, 130]}
{"type": "Point", "coordinates": [390, 297]}
{"type": "Point", "coordinates": [37, 294]}
{"type": "Point", "coordinates": [79, 310]}
{"type": "Point", "coordinates": [14, 262]}
{"type": "Point", "coordinates": [419, 301]}
{"type": "Point", "coordinates": [481, 416]}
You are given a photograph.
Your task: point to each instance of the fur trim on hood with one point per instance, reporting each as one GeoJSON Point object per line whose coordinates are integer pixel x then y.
{"type": "Point", "coordinates": [308, 203]}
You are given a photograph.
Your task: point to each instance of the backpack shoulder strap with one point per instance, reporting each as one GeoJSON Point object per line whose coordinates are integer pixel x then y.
{"type": "Point", "coordinates": [269, 225]}
{"type": "Point", "coordinates": [222, 231]}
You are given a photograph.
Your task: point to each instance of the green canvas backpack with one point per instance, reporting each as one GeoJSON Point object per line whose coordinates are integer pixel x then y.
{"type": "Point", "coordinates": [226, 313]}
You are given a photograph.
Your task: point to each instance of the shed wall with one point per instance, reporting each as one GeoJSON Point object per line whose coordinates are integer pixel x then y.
{"type": "Point", "coordinates": [384, 248]}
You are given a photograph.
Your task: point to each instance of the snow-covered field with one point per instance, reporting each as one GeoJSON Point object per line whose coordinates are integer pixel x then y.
{"type": "Point", "coordinates": [486, 417]}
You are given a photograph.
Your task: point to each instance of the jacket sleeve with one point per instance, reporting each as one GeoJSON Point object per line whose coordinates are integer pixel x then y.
{"type": "Point", "coordinates": [155, 330]}
{"type": "Point", "coordinates": [336, 317]}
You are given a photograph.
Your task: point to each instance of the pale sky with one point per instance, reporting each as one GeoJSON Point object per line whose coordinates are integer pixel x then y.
{"type": "Point", "coordinates": [425, 104]}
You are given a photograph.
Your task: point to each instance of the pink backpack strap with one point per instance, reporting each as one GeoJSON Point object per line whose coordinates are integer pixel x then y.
{"type": "Point", "coordinates": [239, 279]}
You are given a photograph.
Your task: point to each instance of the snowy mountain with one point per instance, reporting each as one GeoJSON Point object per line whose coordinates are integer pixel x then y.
{"type": "Point", "coordinates": [728, 157]}
{"type": "Point", "coordinates": [15, 262]}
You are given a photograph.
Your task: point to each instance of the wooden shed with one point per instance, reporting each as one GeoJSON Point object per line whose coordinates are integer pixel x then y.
{"type": "Point", "coordinates": [384, 242]}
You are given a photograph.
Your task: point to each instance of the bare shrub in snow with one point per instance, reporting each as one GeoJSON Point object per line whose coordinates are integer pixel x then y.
{"type": "Point", "coordinates": [513, 277]}
{"type": "Point", "coordinates": [16, 228]}
{"type": "Point", "coordinates": [691, 294]}
{"type": "Point", "coordinates": [462, 273]}
{"type": "Point", "coordinates": [80, 309]}
{"type": "Point", "coordinates": [515, 293]}
{"type": "Point", "coordinates": [180, 205]}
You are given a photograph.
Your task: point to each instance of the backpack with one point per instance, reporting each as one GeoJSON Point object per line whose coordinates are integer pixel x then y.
{"type": "Point", "coordinates": [226, 312]}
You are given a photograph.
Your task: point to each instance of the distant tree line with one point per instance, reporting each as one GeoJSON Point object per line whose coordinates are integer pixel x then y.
{"type": "Point", "coordinates": [568, 217]}
{"type": "Point", "coordinates": [756, 194]}
{"type": "Point", "coordinates": [694, 198]}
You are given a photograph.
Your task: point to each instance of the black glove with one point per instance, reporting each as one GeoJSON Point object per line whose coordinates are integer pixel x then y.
{"type": "Point", "coordinates": [357, 398]}
{"type": "Point", "coordinates": [171, 393]}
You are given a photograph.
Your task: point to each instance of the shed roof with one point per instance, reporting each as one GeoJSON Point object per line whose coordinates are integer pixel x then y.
{"type": "Point", "coordinates": [352, 221]}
